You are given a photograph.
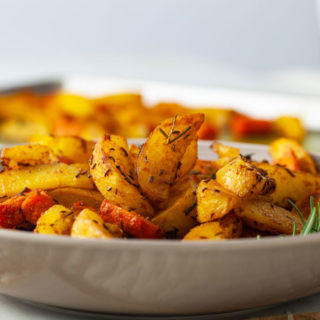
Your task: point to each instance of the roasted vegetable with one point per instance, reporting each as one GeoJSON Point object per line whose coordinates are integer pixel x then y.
{"type": "Point", "coordinates": [180, 216]}
{"type": "Point", "coordinates": [214, 201]}
{"type": "Point", "coordinates": [130, 222]}
{"type": "Point", "coordinates": [161, 155]}
{"type": "Point", "coordinates": [68, 196]}
{"type": "Point", "coordinates": [56, 220]}
{"type": "Point", "coordinates": [67, 148]}
{"type": "Point", "coordinates": [265, 216]}
{"type": "Point", "coordinates": [292, 155]}
{"type": "Point", "coordinates": [245, 179]}
{"type": "Point", "coordinates": [228, 227]}
{"type": "Point", "coordinates": [115, 177]}
{"type": "Point", "coordinates": [46, 176]}
{"type": "Point", "coordinates": [10, 212]}
{"type": "Point", "coordinates": [27, 155]}
{"type": "Point", "coordinates": [289, 127]}
{"type": "Point", "coordinates": [289, 185]}
{"type": "Point", "coordinates": [88, 224]}
{"type": "Point", "coordinates": [225, 153]}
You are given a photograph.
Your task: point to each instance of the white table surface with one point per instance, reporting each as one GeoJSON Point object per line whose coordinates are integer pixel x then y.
{"type": "Point", "coordinates": [13, 309]}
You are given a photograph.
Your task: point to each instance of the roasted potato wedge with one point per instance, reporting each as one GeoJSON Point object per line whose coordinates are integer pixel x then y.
{"type": "Point", "coordinates": [214, 201]}
{"type": "Point", "coordinates": [289, 185]}
{"type": "Point", "coordinates": [225, 153]}
{"type": "Point", "coordinates": [228, 227]}
{"type": "Point", "coordinates": [68, 148]}
{"type": "Point", "coordinates": [27, 155]}
{"type": "Point", "coordinates": [88, 224]}
{"type": "Point", "coordinates": [289, 127]}
{"type": "Point", "coordinates": [281, 151]}
{"type": "Point", "coordinates": [304, 204]}
{"type": "Point", "coordinates": [245, 179]}
{"type": "Point", "coordinates": [114, 175]}
{"type": "Point", "coordinates": [131, 223]}
{"type": "Point", "coordinates": [180, 216]}
{"type": "Point", "coordinates": [265, 216]}
{"type": "Point", "coordinates": [56, 220]}
{"type": "Point", "coordinates": [68, 196]}
{"type": "Point", "coordinates": [45, 176]}
{"type": "Point", "coordinates": [188, 160]}
{"type": "Point", "coordinates": [161, 155]}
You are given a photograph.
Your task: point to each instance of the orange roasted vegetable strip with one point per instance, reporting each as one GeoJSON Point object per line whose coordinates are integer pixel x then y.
{"type": "Point", "coordinates": [289, 160]}
{"type": "Point", "coordinates": [35, 204]}
{"type": "Point", "coordinates": [26, 207]}
{"type": "Point", "coordinates": [11, 213]}
{"type": "Point", "coordinates": [242, 126]}
{"type": "Point", "coordinates": [131, 222]}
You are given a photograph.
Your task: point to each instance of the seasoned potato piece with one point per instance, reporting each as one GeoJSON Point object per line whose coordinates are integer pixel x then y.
{"type": "Point", "coordinates": [265, 216]}
{"type": "Point", "coordinates": [289, 185]}
{"type": "Point", "coordinates": [56, 220]}
{"type": "Point", "coordinates": [161, 155]}
{"type": "Point", "coordinates": [68, 196]}
{"type": "Point", "coordinates": [245, 179]}
{"type": "Point", "coordinates": [74, 149]}
{"type": "Point", "coordinates": [114, 175]}
{"type": "Point", "coordinates": [45, 176]}
{"type": "Point", "coordinates": [134, 153]}
{"type": "Point", "coordinates": [202, 170]}
{"type": "Point", "coordinates": [214, 201]}
{"type": "Point", "coordinates": [188, 160]}
{"type": "Point", "coordinates": [225, 153]}
{"type": "Point", "coordinates": [88, 224]}
{"type": "Point", "coordinates": [281, 151]}
{"type": "Point", "coordinates": [180, 216]}
{"type": "Point", "coordinates": [130, 222]}
{"type": "Point", "coordinates": [27, 155]}
{"type": "Point", "coordinates": [228, 227]}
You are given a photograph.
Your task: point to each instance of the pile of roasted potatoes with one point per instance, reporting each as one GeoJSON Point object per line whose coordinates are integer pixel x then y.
{"type": "Point", "coordinates": [126, 114]}
{"type": "Point", "coordinates": [65, 185]}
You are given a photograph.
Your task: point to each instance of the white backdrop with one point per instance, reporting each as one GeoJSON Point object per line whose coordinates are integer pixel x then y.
{"type": "Point", "coordinates": [228, 42]}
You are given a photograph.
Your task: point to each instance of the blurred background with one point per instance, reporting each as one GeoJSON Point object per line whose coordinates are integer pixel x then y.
{"type": "Point", "coordinates": [271, 46]}
{"type": "Point", "coordinates": [265, 44]}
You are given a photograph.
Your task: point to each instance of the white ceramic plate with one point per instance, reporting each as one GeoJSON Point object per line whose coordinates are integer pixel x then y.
{"type": "Point", "coordinates": [162, 276]}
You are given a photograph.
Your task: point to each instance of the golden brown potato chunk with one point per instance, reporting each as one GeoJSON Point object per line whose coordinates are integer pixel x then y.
{"type": "Point", "coordinates": [214, 201]}
{"type": "Point", "coordinates": [88, 224]}
{"type": "Point", "coordinates": [180, 216]}
{"type": "Point", "coordinates": [161, 155]}
{"type": "Point", "coordinates": [27, 155]}
{"type": "Point", "coordinates": [228, 227]}
{"type": "Point", "coordinates": [56, 220]}
{"type": "Point", "coordinates": [245, 179]}
{"type": "Point", "coordinates": [265, 216]}
{"type": "Point", "coordinates": [44, 176]}
{"type": "Point", "coordinates": [289, 185]}
{"type": "Point", "coordinates": [113, 173]}
{"type": "Point", "coordinates": [74, 149]}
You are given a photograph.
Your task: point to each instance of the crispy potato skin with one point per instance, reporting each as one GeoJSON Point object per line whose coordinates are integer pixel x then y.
{"type": "Point", "coordinates": [265, 216]}
{"type": "Point", "coordinates": [10, 212]}
{"type": "Point", "coordinates": [188, 160]}
{"type": "Point", "coordinates": [131, 222]}
{"type": "Point", "coordinates": [68, 196]}
{"type": "Point", "coordinates": [88, 224]}
{"type": "Point", "coordinates": [245, 179]}
{"type": "Point", "coordinates": [27, 155]}
{"type": "Point", "coordinates": [46, 176]}
{"type": "Point", "coordinates": [71, 148]}
{"type": "Point", "coordinates": [214, 201]}
{"type": "Point", "coordinates": [56, 220]}
{"type": "Point", "coordinates": [159, 161]}
{"type": "Point", "coordinates": [114, 175]}
{"type": "Point", "coordinates": [289, 185]}
{"type": "Point", "coordinates": [35, 204]}
{"type": "Point", "coordinates": [280, 150]}
{"type": "Point", "coordinates": [228, 227]}
{"type": "Point", "coordinates": [179, 217]}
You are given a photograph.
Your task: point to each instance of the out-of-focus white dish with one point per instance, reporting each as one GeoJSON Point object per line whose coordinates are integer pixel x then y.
{"type": "Point", "coordinates": [161, 276]}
